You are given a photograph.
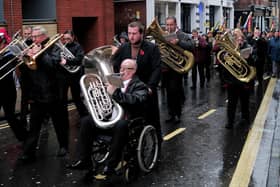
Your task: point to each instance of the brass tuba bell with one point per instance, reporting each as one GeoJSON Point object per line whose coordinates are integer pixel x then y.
{"type": "Point", "coordinates": [231, 59]}
{"type": "Point", "coordinates": [174, 56]}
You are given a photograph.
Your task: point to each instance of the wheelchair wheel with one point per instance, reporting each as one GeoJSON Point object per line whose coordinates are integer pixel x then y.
{"type": "Point", "coordinates": [130, 174]}
{"type": "Point", "coordinates": [147, 150]}
{"type": "Point", "coordinates": [100, 152]}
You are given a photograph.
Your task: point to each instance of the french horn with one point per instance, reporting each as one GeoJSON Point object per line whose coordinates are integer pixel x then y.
{"type": "Point", "coordinates": [230, 58]}
{"type": "Point", "coordinates": [173, 55]}
{"type": "Point", "coordinates": [104, 110]}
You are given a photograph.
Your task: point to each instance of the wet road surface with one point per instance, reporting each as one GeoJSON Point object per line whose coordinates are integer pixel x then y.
{"type": "Point", "coordinates": [203, 153]}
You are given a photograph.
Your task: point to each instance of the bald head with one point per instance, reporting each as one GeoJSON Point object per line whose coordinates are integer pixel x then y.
{"type": "Point", "coordinates": [128, 68]}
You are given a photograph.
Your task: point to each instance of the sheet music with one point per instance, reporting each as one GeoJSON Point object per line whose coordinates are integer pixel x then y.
{"type": "Point", "coordinates": [115, 80]}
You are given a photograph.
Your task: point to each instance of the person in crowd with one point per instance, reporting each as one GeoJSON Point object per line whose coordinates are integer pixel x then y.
{"type": "Point", "coordinates": [9, 94]}
{"type": "Point", "coordinates": [236, 89]}
{"type": "Point", "coordinates": [26, 34]}
{"type": "Point", "coordinates": [274, 54]}
{"type": "Point", "coordinates": [147, 56]}
{"type": "Point", "coordinates": [209, 57]}
{"type": "Point", "coordinates": [200, 58]}
{"type": "Point", "coordinates": [123, 37]}
{"type": "Point", "coordinates": [71, 70]}
{"type": "Point", "coordinates": [132, 98]}
{"type": "Point", "coordinates": [43, 95]}
{"type": "Point", "coordinates": [173, 79]}
{"type": "Point", "coordinates": [24, 79]}
{"type": "Point", "coordinates": [259, 45]}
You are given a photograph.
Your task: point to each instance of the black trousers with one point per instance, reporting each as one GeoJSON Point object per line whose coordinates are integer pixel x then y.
{"type": "Point", "coordinates": [152, 113]}
{"type": "Point", "coordinates": [236, 93]}
{"type": "Point", "coordinates": [175, 92]}
{"type": "Point", "coordinates": [72, 81]}
{"type": "Point", "coordinates": [8, 103]}
{"type": "Point", "coordinates": [200, 67]}
{"type": "Point", "coordinates": [89, 131]}
{"type": "Point", "coordinates": [39, 111]}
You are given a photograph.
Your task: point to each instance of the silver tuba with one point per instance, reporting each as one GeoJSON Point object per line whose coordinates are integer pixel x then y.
{"type": "Point", "coordinates": [103, 109]}
{"type": "Point", "coordinates": [66, 54]}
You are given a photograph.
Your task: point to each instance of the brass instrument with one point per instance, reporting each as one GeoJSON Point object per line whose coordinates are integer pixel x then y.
{"type": "Point", "coordinates": [68, 55]}
{"type": "Point", "coordinates": [31, 62]}
{"type": "Point", "coordinates": [231, 59]}
{"type": "Point", "coordinates": [174, 56]}
{"type": "Point", "coordinates": [116, 42]}
{"type": "Point", "coordinates": [17, 49]}
{"type": "Point", "coordinates": [103, 109]}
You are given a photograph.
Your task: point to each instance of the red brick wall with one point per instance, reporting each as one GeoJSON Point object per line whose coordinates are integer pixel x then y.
{"type": "Point", "coordinates": [13, 15]}
{"type": "Point", "coordinates": [98, 13]}
{"type": "Point", "coordinates": [244, 4]}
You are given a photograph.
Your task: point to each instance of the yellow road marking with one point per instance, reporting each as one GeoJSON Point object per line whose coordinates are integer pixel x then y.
{"type": "Point", "coordinates": [267, 77]}
{"type": "Point", "coordinates": [246, 162]}
{"type": "Point", "coordinates": [71, 107]}
{"type": "Point", "coordinates": [174, 133]}
{"type": "Point", "coordinates": [4, 124]}
{"type": "Point", "coordinates": [207, 114]}
{"type": "Point", "coordinates": [4, 127]}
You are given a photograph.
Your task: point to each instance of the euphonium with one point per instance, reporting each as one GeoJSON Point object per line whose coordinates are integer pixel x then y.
{"type": "Point", "coordinates": [231, 59]}
{"type": "Point", "coordinates": [68, 55]}
{"type": "Point", "coordinates": [174, 56]}
{"type": "Point", "coordinates": [103, 109]}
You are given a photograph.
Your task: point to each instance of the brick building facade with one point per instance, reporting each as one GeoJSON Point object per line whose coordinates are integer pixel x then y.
{"type": "Point", "coordinates": [92, 21]}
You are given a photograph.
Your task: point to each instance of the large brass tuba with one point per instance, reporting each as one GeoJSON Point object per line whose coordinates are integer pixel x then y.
{"type": "Point", "coordinates": [230, 58]}
{"type": "Point", "coordinates": [103, 109]}
{"type": "Point", "coordinates": [174, 56]}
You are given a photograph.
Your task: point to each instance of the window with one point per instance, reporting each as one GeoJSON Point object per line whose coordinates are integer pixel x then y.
{"type": "Point", "coordinates": [2, 11]}
{"type": "Point", "coordinates": [39, 10]}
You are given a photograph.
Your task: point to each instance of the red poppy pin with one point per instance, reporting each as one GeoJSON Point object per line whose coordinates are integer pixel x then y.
{"type": "Point", "coordinates": [141, 52]}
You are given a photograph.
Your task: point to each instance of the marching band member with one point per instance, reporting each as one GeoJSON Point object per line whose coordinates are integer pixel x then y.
{"type": "Point", "coordinates": [132, 97]}
{"type": "Point", "coordinates": [24, 79]}
{"type": "Point", "coordinates": [44, 95]}
{"type": "Point", "coordinates": [238, 90]}
{"type": "Point", "coordinates": [8, 96]}
{"type": "Point", "coordinates": [147, 56]}
{"type": "Point", "coordinates": [174, 80]}
{"type": "Point", "coordinates": [72, 79]}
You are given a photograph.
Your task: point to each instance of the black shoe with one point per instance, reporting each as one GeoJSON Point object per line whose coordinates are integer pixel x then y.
{"type": "Point", "coordinates": [171, 119]}
{"type": "Point", "coordinates": [89, 175]}
{"type": "Point", "coordinates": [62, 152]}
{"type": "Point", "coordinates": [80, 165]}
{"type": "Point", "coordinates": [243, 122]}
{"type": "Point", "coordinates": [229, 126]}
{"type": "Point", "coordinates": [177, 120]}
{"type": "Point", "coordinates": [193, 87]}
{"type": "Point", "coordinates": [108, 171]}
{"type": "Point", "coordinates": [27, 158]}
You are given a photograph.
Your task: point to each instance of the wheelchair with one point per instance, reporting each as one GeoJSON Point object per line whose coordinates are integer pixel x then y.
{"type": "Point", "coordinates": [139, 155]}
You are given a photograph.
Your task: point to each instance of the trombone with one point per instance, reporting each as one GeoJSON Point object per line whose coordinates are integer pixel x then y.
{"type": "Point", "coordinates": [18, 49]}
{"type": "Point", "coordinates": [31, 61]}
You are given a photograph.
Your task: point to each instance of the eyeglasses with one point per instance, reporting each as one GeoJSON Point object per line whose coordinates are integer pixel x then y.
{"type": "Point", "coordinates": [36, 36]}
{"type": "Point", "coordinates": [67, 38]}
{"type": "Point", "coordinates": [126, 68]}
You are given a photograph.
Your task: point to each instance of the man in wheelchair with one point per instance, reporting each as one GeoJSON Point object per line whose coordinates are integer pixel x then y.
{"type": "Point", "coordinates": [132, 97]}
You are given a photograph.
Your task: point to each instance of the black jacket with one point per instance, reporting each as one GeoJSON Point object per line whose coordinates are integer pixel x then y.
{"type": "Point", "coordinates": [148, 62]}
{"type": "Point", "coordinates": [76, 49]}
{"type": "Point", "coordinates": [134, 99]}
{"type": "Point", "coordinates": [44, 88]}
